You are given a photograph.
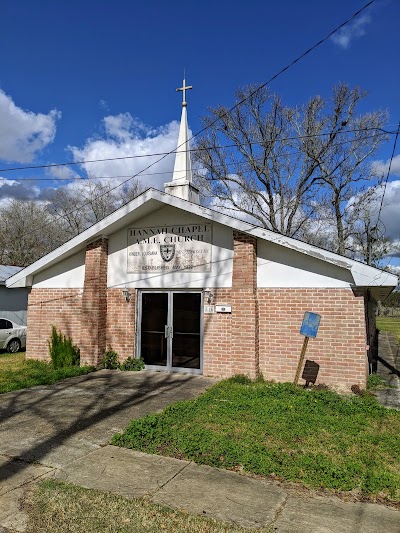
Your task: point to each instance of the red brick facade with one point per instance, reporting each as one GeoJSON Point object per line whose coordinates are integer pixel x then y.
{"type": "Point", "coordinates": [94, 303]}
{"type": "Point", "coordinates": [261, 335]}
{"type": "Point", "coordinates": [47, 307]}
{"type": "Point", "coordinates": [244, 301]}
{"type": "Point", "coordinates": [121, 323]}
{"type": "Point", "coordinates": [339, 348]}
{"type": "Point", "coordinates": [217, 359]}
{"type": "Point", "coordinates": [231, 340]}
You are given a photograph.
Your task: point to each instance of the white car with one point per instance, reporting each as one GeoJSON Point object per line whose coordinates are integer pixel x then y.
{"type": "Point", "coordinates": [12, 336]}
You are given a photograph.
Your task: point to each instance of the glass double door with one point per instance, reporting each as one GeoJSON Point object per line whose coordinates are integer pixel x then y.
{"type": "Point", "coordinates": [170, 330]}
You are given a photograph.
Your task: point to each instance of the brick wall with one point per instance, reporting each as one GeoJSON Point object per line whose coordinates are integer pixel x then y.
{"type": "Point", "coordinates": [94, 303]}
{"type": "Point", "coordinates": [261, 334]}
{"type": "Point", "coordinates": [121, 323]}
{"type": "Point", "coordinates": [244, 348]}
{"type": "Point", "coordinates": [60, 307]}
{"type": "Point", "coordinates": [231, 340]}
{"type": "Point", "coordinates": [217, 342]}
{"type": "Point", "coordinates": [340, 347]}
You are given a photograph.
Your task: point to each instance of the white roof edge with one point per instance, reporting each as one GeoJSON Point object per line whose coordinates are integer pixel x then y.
{"type": "Point", "coordinates": [375, 276]}
{"type": "Point", "coordinates": [87, 235]}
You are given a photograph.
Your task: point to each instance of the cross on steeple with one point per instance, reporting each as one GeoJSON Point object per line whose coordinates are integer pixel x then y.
{"type": "Point", "coordinates": [184, 88]}
{"type": "Point", "coordinates": [182, 179]}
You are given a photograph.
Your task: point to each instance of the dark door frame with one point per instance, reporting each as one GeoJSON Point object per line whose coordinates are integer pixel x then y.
{"type": "Point", "coordinates": [170, 292]}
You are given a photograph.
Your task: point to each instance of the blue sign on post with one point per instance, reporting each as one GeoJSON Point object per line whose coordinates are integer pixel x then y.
{"type": "Point", "coordinates": [309, 327]}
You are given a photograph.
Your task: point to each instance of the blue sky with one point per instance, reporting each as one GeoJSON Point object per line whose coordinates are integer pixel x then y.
{"type": "Point", "coordinates": [66, 65]}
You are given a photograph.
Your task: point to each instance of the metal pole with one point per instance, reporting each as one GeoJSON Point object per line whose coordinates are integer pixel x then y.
{"type": "Point", "coordinates": [302, 355]}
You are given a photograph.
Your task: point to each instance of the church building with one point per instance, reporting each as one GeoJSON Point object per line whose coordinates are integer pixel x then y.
{"type": "Point", "coordinates": [193, 290]}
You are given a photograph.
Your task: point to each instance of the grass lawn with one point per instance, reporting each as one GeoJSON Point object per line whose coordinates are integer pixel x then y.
{"type": "Point", "coordinates": [17, 373]}
{"type": "Point", "coordinates": [391, 324]}
{"type": "Point", "coordinates": [315, 437]}
{"type": "Point", "coordinates": [55, 506]}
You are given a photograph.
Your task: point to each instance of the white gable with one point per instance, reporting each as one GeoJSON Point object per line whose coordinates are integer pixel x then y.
{"type": "Point", "coordinates": [67, 274]}
{"type": "Point", "coordinates": [312, 270]}
{"type": "Point", "coordinates": [219, 275]}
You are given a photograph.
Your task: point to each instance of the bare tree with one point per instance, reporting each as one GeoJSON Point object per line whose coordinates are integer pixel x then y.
{"type": "Point", "coordinates": [289, 169]}
{"type": "Point", "coordinates": [342, 155]}
{"type": "Point", "coordinates": [260, 175]}
{"type": "Point", "coordinates": [31, 229]}
{"type": "Point", "coordinates": [86, 202]}
{"type": "Point", "coordinates": [27, 232]}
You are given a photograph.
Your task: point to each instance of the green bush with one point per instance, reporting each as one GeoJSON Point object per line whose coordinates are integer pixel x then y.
{"type": "Point", "coordinates": [62, 352]}
{"type": "Point", "coordinates": [132, 363]}
{"type": "Point", "coordinates": [110, 360]}
{"type": "Point", "coordinates": [375, 382]}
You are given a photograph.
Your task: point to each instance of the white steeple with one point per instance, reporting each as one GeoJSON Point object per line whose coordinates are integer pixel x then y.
{"type": "Point", "coordinates": [181, 184]}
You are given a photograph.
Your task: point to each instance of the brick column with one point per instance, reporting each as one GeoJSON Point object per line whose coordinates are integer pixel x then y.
{"type": "Point", "coordinates": [244, 306]}
{"type": "Point", "coordinates": [94, 303]}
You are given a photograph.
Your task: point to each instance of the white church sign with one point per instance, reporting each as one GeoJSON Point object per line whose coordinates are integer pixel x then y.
{"type": "Point", "coordinates": [186, 248]}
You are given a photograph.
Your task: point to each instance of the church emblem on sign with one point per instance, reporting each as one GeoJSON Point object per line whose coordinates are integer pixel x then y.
{"type": "Point", "coordinates": [167, 251]}
{"type": "Point", "coordinates": [175, 248]}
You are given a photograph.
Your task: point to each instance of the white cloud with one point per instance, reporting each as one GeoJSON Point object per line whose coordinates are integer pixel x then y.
{"type": "Point", "coordinates": [390, 214]}
{"type": "Point", "coordinates": [119, 126]}
{"type": "Point", "coordinates": [393, 269]}
{"type": "Point", "coordinates": [351, 31]}
{"type": "Point", "coordinates": [6, 182]}
{"type": "Point", "coordinates": [381, 167]}
{"type": "Point", "coordinates": [62, 173]}
{"type": "Point", "coordinates": [323, 229]}
{"type": "Point", "coordinates": [247, 203]}
{"type": "Point", "coordinates": [24, 133]}
{"type": "Point", "coordinates": [123, 136]}
{"type": "Point", "coordinates": [18, 190]}
{"type": "Point", "coordinates": [126, 136]}
{"type": "Point", "coordinates": [390, 211]}
{"type": "Point", "coordinates": [226, 207]}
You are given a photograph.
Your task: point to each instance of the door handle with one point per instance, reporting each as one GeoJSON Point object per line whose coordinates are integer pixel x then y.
{"type": "Point", "coordinates": [168, 332]}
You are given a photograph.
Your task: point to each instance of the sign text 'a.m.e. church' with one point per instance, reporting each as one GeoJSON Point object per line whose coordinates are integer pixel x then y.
{"type": "Point", "coordinates": [185, 248]}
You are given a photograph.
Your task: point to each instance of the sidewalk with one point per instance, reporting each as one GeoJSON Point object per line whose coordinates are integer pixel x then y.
{"type": "Point", "coordinates": [207, 491]}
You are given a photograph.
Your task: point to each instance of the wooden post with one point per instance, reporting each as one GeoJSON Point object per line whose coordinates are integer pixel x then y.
{"type": "Point", "coordinates": [302, 355]}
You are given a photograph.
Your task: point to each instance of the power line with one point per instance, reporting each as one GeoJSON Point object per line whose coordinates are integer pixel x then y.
{"type": "Point", "coordinates": [236, 163]}
{"type": "Point", "coordinates": [198, 149]}
{"type": "Point", "coordinates": [291, 64]}
{"type": "Point", "coordinates": [284, 69]}
{"type": "Point", "coordinates": [388, 173]}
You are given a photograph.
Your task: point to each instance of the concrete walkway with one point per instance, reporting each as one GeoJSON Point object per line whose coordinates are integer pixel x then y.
{"type": "Point", "coordinates": [224, 495]}
{"type": "Point", "coordinates": [58, 424]}
{"type": "Point", "coordinates": [62, 431]}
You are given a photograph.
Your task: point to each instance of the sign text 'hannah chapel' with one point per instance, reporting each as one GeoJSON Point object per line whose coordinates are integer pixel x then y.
{"type": "Point", "coordinates": [169, 248]}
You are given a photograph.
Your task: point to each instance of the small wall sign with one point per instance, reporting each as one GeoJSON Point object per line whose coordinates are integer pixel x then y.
{"type": "Point", "coordinates": [310, 325]}
{"type": "Point", "coordinates": [209, 309]}
{"type": "Point", "coordinates": [309, 328]}
{"type": "Point", "coordinates": [223, 308]}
